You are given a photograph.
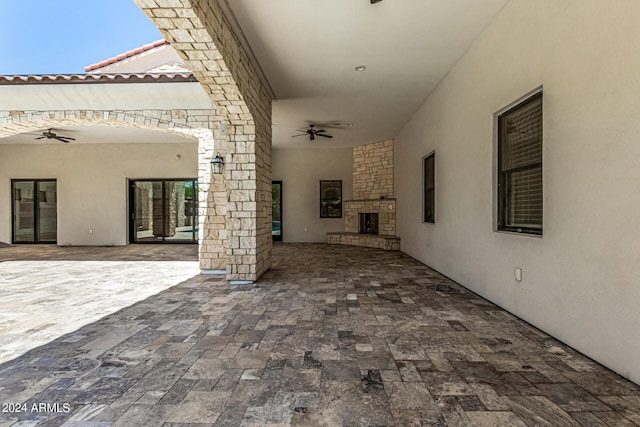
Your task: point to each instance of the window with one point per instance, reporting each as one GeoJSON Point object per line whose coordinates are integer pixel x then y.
{"type": "Point", "coordinates": [520, 167]}
{"type": "Point", "coordinates": [429, 197]}
{"type": "Point", "coordinates": [331, 199]}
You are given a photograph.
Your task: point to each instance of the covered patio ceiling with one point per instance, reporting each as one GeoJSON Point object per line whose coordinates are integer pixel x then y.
{"type": "Point", "coordinates": [308, 51]}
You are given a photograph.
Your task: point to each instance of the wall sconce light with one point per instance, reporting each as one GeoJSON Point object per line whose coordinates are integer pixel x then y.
{"type": "Point", "coordinates": [216, 164]}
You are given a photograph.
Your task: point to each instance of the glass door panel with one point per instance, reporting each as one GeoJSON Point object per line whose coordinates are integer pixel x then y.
{"type": "Point", "coordinates": [47, 215]}
{"type": "Point", "coordinates": [183, 212]}
{"type": "Point", "coordinates": [35, 217]}
{"type": "Point", "coordinates": [24, 225]}
{"type": "Point", "coordinates": [276, 210]}
{"type": "Point", "coordinates": [147, 217]}
{"type": "Point", "coordinates": [164, 211]}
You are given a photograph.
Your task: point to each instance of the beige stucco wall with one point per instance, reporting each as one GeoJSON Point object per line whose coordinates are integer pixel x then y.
{"type": "Point", "coordinates": [580, 280]}
{"type": "Point", "coordinates": [300, 171]}
{"type": "Point", "coordinates": [106, 96]}
{"type": "Point", "coordinates": [92, 183]}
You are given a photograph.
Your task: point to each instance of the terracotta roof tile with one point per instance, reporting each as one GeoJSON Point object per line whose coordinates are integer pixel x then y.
{"type": "Point", "coordinates": [126, 55]}
{"type": "Point", "coordinates": [98, 78]}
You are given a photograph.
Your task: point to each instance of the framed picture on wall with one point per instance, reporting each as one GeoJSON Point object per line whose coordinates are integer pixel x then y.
{"type": "Point", "coordinates": [331, 199]}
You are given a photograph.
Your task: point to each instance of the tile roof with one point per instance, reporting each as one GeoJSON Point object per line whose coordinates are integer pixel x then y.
{"type": "Point", "coordinates": [168, 74]}
{"type": "Point", "coordinates": [99, 78]}
{"type": "Point", "coordinates": [125, 55]}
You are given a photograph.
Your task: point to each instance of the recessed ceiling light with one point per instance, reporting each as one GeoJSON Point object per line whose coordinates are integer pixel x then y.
{"type": "Point", "coordinates": [349, 125]}
{"type": "Point", "coordinates": [360, 68]}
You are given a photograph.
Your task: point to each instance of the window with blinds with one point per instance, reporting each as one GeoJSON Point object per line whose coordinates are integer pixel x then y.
{"type": "Point", "coordinates": [520, 167]}
{"type": "Point", "coordinates": [429, 197]}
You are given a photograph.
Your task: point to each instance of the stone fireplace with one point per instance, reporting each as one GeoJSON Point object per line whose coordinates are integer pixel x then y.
{"type": "Point", "coordinates": [370, 218]}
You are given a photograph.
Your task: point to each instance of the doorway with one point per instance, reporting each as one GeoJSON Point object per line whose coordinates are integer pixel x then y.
{"type": "Point", "coordinates": [163, 211]}
{"type": "Point", "coordinates": [34, 211]}
{"type": "Point", "coordinates": [276, 209]}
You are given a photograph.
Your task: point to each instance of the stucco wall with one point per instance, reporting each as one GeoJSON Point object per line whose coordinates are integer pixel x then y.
{"type": "Point", "coordinates": [580, 280]}
{"type": "Point", "coordinates": [300, 172]}
{"type": "Point", "coordinates": [91, 183]}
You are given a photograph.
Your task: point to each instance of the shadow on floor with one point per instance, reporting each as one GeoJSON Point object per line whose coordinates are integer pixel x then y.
{"type": "Point", "coordinates": [332, 335]}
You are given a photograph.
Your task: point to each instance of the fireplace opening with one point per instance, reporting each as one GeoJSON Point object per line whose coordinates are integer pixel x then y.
{"type": "Point", "coordinates": [368, 223]}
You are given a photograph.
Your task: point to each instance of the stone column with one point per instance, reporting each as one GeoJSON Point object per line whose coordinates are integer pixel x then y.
{"type": "Point", "coordinates": [212, 204]}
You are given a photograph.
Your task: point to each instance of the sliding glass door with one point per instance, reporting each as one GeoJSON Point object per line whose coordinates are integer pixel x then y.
{"type": "Point", "coordinates": [276, 210]}
{"type": "Point", "coordinates": [163, 211]}
{"type": "Point", "coordinates": [34, 210]}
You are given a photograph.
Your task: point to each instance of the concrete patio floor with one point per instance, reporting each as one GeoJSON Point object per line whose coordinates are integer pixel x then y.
{"type": "Point", "coordinates": [330, 336]}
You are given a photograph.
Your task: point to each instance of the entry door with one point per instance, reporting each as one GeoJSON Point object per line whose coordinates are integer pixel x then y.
{"type": "Point", "coordinates": [163, 211]}
{"type": "Point", "coordinates": [34, 210]}
{"type": "Point", "coordinates": [276, 209]}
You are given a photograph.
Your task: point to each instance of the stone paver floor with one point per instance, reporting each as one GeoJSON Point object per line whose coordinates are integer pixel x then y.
{"type": "Point", "coordinates": [331, 336]}
{"type": "Point", "coordinates": [49, 291]}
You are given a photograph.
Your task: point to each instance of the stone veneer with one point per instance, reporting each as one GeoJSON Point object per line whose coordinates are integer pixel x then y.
{"type": "Point", "coordinates": [203, 36]}
{"type": "Point", "coordinates": [373, 171]}
{"type": "Point", "coordinates": [373, 193]}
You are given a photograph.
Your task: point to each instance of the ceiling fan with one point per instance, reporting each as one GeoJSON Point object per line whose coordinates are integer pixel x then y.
{"type": "Point", "coordinates": [49, 134]}
{"type": "Point", "coordinates": [312, 132]}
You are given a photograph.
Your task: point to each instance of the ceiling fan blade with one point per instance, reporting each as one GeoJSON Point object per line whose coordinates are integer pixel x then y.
{"type": "Point", "coordinates": [42, 137]}
{"type": "Point", "coordinates": [326, 136]}
{"type": "Point", "coordinates": [64, 139]}
{"type": "Point", "coordinates": [302, 134]}
{"type": "Point", "coordinates": [321, 130]}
